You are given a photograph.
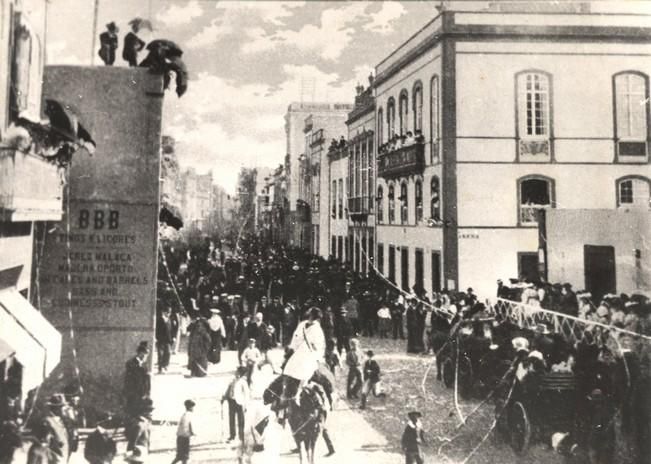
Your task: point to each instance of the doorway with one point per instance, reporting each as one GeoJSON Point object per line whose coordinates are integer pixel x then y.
{"type": "Point", "coordinates": [528, 266]}
{"type": "Point", "coordinates": [404, 268]}
{"type": "Point", "coordinates": [436, 271]}
{"type": "Point", "coordinates": [418, 270]}
{"type": "Point", "coordinates": [600, 270]}
{"type": "Point", "coordinates": [392, 264]}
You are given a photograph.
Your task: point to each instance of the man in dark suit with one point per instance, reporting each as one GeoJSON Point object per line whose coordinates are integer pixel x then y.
{"type": "Point", "coordinates": [413, 438]}
{"type": "Point", "coordinates": [108, 42]}
{"type": "Point", "coordinates": [164, 338]}
{"type": "Point", "coordinates": [132, 45]}
{"type": "Point", "coordinates": [137, 381]}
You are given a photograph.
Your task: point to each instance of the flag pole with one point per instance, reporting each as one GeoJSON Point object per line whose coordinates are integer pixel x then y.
{"type": "Point", "coordinates": [94, 43]}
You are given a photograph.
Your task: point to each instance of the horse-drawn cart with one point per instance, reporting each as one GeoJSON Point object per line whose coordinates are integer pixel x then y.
{"type": "Point", "coordinates": [538, 407]}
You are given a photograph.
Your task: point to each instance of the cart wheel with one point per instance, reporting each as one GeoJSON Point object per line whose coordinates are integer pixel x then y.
{"type": "Point", "coordinates": [520, 428]}
{"type": "Point", "coordinates": [466, 377]}
{"type": "Point", "coordinates": [448, 373]}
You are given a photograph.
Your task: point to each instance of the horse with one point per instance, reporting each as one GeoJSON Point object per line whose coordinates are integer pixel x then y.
{"type": "Point", "coordinates": [305, 418]}
{"type": "Point", "coordinates": [306, 422]}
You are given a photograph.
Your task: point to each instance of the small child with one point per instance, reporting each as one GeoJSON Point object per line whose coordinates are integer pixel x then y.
{"type": "Point", "coordinates": [371, 379]}
{"type": "Point", "coordinates": [183, 433]}
{"type": "Point", "coordinates": [331, 356]}
{"type": "Point", "coordinates": [413, 439]}
{"type": "Point", "coordinates": [251, 357]}
{"type": "Point", "coordinates": [384, 320]}
{"type": "Point", "coordinates": [354, 363]}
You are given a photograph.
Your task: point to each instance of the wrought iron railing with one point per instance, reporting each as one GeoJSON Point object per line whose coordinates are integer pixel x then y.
{"type": "Point", "coordinates": [406, 160]}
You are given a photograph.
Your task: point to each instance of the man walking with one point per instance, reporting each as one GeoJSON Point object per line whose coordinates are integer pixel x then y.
{"type": "Point", "coordinates": [164, 339]}
{"type": "Point", "coordinates": [137, 381]}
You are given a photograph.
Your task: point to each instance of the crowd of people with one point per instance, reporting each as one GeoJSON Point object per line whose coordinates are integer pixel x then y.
{"type": "Point", "coordinates": [266, 297]}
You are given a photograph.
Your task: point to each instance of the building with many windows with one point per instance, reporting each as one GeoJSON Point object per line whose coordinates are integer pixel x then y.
{"type": "Point", "coordinates": [320, 130]}
{"type": "Point", "coordinates": [297, 167]}
{"type": "Point", "coordinates": [361, 180]}
{"type": "Point", "coordinates": [489, 115]}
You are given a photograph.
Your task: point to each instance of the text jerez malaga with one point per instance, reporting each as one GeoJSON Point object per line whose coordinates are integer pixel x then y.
{"type": "Point", "coordinates": [101, 263]}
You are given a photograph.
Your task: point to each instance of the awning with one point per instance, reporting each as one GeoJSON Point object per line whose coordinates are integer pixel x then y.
{"type": "Point", "coordinates": [36, 343]}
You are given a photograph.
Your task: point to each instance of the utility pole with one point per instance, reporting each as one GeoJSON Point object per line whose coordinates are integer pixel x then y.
{"type": "Point", "coordinates": [94, 40]}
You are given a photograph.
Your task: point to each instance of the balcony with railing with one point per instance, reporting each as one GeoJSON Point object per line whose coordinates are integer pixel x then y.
{"type": "Point", "coordinates": [360, 206]}
{"type": "Point", "coordinates": [403, 161]}
{"type": "Point", "coordinates": [30, 187]}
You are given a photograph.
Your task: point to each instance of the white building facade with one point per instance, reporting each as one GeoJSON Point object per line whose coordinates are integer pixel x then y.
{"type": "Point", "coordinates": [519, 112]}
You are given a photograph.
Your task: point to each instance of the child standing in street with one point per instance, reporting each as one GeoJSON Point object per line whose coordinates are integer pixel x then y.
{"type": "Point", "coordinates": [251, 358]}
{"type": "Point", "coordinates": [371, 379]}
{"type": "Point", "coordinates": [413, 438]}
{"type": "Point", "coordinates": [354, 363]}
{"type": "Point", "coordinates": [384, 320]}
{"type": "Point", "coordinates": [183, 433]}
{"type": "Point", "coordinates": [331, 355]}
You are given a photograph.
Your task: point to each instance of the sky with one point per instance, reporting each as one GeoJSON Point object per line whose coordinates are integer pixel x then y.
{"type": "Point", "coordinates": [247, 61]}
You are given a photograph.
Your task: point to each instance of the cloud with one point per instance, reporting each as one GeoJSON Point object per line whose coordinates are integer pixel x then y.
{"type": "Point", "coordinates": [209, 147]}
{"type": "Point", "coordinates": [269, 12]}
{"type": "Point", "coordinates": [210, 34]}
{"type": "Point", "coordinates": [232, 17]}
{"type": "Point", "coordinates": [222, 126]}
{"type": "Point", "coordinates": [176, 15]}
{"type": "Point", "coordinates": [381, 22]}
{"type": "Point", "coordinates": [328, 39]}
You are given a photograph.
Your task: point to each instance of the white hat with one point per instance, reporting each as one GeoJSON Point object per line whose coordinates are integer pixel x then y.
{"type": "Point", "coordinates": [520, 344]}
{"type": "Point", "coordinates": [557, 439]}
{"type": "Point", "coordinates": [536, 354]}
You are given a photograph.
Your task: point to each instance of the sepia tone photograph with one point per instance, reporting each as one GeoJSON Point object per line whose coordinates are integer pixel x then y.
{"type": "Point", "coordinates": [305, 232]}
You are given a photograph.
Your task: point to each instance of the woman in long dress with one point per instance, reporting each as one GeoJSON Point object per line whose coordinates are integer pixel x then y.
{"type": "Point", "coordinates": [199, 344]}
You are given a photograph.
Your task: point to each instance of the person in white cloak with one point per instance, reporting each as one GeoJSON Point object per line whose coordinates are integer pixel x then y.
{"type": "Point", "coordinates": [308, 346]}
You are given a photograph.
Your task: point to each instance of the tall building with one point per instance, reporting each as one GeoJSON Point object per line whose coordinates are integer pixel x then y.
{"type": "Point", "coordinates": [298, 221]}
{"type": "Point", "coordinates": [361, 180]}
{"type": "Point", "coordinates": [197, 190]}
{"type": "Point", "coordinates": [321, 129]}
{"type": "Point", "coordinates": [520, 110]}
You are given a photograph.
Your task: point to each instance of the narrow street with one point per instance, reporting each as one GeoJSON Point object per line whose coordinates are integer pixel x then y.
{"type": "Point", "coordinates": [364, 444]}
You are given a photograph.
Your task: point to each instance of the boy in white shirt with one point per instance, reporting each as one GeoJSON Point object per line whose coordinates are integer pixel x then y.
{"type": "Point", "coordinates": [384, 320]}
{"type": "Point", "coordinates": [183, 433]}
{"type": "Point", "coordinates": [251, 357]}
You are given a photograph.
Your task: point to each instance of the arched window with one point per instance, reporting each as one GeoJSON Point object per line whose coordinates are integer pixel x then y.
{"type": "Point", "coordinates": [380, 205]}
{"type": "Point", "coordinates": [380, 127]}
{"type": "Point", "coordinates": [434, 117]}
{"type": "Point", "coordinates": [391, 118]}
{"type": "Point", "coordinates": [418, 196]}
{"type": "Point", "coordinates": [392, 204]}
{"type": "Point", "coordinates": [435, 199]}
{"type": "Point", "coordinates": [403, 105]}
{"type": "Point", "coordinates": [535, 193]}
{"type": "Point", "coordinates": [631, 91]}
{"type": "Point", "coordinates": [404, 203]}
{"type": "Point", "coordinates": [418, 106]}
{"type": "Point", "coordinates": [634, 192]}
{"type": "Point", "coordinates": [341, 198]}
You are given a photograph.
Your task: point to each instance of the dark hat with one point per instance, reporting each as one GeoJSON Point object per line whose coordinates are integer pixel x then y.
{"type": "Point", "coordinates": [112, 27]}
{"type": "Point", "coordinates": [56, 400]}
{"type": "Point", "coordinates": [414, 414]}
{"type": "Point", "coordinates": [241, 370]}
{"type": "Point", "coordinates": [143, 346]}
{"type": "Point", "coordinates": [147, 405]}
{"type": "Point", "coordinates": [369, 353]}
{"type": "Point", "coordinates": [189, 404]}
